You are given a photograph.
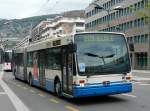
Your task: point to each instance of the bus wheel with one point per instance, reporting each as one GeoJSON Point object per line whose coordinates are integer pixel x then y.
{"type": "Point", "coordinates": [30, 80]}
{"type": "Point", "coordinates": [58, 88]}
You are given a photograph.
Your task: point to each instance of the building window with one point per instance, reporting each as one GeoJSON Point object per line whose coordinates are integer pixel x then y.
{"type": "Point", "coordinates": [138, 22]}
{"type": "Point", "coordinates": [142, 59]}
{"type": "Point", "coordinates": [141, 39]}
{"type": "Point", "coordinates": [139, 5]}
{"type": "Point", "coordinates": [142, 4]}
{"type": "Point", "coordinates": [135, 6]}
{"type": "Point", "coordinates": [146, 38]}
{"type": "Point", "coordinates": [135, 23]}
{"type": "Point", "coordinates": [79, 24]}
{"type": "Point", "coordinates": [131, 8]}
{"type": "Point", "coordinates": [146, 3]}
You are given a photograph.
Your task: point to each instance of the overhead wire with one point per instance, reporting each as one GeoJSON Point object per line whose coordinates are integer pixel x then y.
{"type": "Point", "coordinates": [43, 6]}
{"type": "Point", "coordinates": [53, 7]}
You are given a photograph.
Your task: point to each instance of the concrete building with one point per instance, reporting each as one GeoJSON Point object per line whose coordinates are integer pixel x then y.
{"type": "Point", "coordinates": [127, 20]}
{"type": "Point", "coordinates": [63, 25]}
{"type": "Point", "coordinates": [38, 29]}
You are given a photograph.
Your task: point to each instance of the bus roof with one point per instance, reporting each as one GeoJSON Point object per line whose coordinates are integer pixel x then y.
{"type": "Point", "coordinates": [100, 32]}
{"type": "Point", "coordinates": [55, 42]}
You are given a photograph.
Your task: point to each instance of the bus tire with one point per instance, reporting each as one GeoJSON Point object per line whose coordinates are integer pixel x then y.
{"type": "Point", "coordinates": [58, 88]}
{"type": "Point", "coordinates": [30, 80]}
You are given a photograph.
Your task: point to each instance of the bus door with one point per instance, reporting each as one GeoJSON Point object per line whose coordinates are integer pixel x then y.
{"type": "Point", "coordinates": [41, 63]}
{"type": "Point", "coordinates": [67, 71]}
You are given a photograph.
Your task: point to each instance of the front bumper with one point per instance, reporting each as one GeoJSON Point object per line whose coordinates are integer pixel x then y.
{"type": "Point", "coordinates": [100, 90]}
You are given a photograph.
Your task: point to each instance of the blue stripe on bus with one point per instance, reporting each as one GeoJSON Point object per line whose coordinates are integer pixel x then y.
{"type": "Point", "coordinates": [36, 82]}
{"type": "Point", "coordinates": [102, 90]}
{"type": "Point", "coordinates": [50, 85]}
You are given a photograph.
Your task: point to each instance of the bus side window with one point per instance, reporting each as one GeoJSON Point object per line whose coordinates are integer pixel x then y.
{"type": "Point", "coordinates": [30, 59]}
{"type": "Point", "coordinates": [57, 59]}
{"type": "Point", "coordinates": [54, 59]}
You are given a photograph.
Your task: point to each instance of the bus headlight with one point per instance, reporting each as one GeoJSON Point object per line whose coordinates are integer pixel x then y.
{"type": "Point", "coordinates": [82, 82]}
{"type": "Point", "coordinates": [128, 78]}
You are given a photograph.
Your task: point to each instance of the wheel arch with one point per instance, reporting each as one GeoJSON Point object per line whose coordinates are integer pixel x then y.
{"type": "Point", "coordinates": [56, 79]}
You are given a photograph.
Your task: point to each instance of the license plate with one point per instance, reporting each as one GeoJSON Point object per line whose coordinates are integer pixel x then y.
{"type": "Point", "coordinates": [106, 83]}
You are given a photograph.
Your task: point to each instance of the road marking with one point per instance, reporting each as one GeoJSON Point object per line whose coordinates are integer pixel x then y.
{"type": "Point", "coordinates": [42, 95]}
{"type": "Point", "coordinates": [2, 93]}
{"type": "Point", "coordinates": [54, 101]}
{"type": "Point", "coordinates": [144, 84]}
{"type": "Point", "coordinates": [25, 88]}
{"type": "Point", "coordinates": [14, 83]}
{"type": "Point", "coordinates": [18, 104]}
{"type": "Point", "coordinates": [129, 95]}
{"type": "Point", "coordinates": [32, 91]}
{"type": "Point", "coordinates": [71, 108]}
{"type": "Point", "coordinates": [138, 82]}
{"type": "Point", "coordinates": [18, 85]}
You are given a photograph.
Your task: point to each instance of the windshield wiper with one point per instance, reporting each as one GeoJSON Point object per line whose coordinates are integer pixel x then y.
{"type": "Point", "coordinates": [102, 57]}
{"type": "Point", "coordinates": [91, 54]}
{"type": "Point", "coordinates": [95, 55]}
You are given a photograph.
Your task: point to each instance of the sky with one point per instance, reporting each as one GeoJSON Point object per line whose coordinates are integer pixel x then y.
{"type": "Point", "coordinates": [17, 9]}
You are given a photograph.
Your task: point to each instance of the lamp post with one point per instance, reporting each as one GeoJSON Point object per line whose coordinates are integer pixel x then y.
{"type": "Point", "coordinates": [97, 6]}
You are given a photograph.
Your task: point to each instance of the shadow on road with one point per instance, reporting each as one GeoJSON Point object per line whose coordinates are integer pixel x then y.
{"type": "Point", "coordinates": [95, 100]}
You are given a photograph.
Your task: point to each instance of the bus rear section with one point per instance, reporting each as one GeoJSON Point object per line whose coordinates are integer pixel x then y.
{"type": "Point", "coordinates": [103, 65]}
{"type": "Point", "coordinates": [7, 66]}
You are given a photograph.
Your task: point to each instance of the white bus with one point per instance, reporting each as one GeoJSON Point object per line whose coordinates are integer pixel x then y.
{"type": "Point", "coordinates": [7, 60]}
{"type": "Point", "coordinates": [80, 65]}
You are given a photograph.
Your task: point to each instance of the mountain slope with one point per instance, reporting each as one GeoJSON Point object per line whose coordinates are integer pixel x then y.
{"type": "Point", "coordinates": [21, 27]}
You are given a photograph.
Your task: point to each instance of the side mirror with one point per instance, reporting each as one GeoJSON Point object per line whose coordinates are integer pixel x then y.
{"type": "Point", "coordinates": [131, 47]}
{"type": "Point", "coordinates": [72, 48]}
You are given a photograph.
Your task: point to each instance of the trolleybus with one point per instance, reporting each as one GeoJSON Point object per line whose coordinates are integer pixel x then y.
{"type": "Point", "coordinates": [79, 65]}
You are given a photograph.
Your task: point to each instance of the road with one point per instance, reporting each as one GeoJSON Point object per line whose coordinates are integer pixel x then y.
{"type": "Point", "coordinates": [34, 99]}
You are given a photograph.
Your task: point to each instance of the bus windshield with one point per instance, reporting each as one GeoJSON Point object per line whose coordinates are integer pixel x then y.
{"type": "Point", "coordinates": [102, 53]}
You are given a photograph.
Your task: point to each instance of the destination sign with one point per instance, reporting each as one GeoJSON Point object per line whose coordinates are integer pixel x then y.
{"type": "Point", "coordinates": [96, 38]}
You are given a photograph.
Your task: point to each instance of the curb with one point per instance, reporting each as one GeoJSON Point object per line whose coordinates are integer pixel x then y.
{"type": "Point", "coordinates": [140, 71]}
{"type": "Point", "coordinates": [143, 81]}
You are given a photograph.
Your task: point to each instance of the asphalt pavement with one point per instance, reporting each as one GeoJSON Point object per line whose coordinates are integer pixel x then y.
{"type": "Point", "coordinates": [5, 102]}
{"type": "Point", "coordinates": [35, 99]}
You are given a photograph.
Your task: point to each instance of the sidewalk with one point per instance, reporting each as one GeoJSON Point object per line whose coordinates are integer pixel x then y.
{"type": "Point", "coordinates": [141, 75]}
{"type": "Point", "coordinates": [141, 71]}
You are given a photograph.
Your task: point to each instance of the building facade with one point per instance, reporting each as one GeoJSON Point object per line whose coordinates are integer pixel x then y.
{"type": "Point", "coordinates": [61, 26]}
{"type": "Point", "coordinates": [38, 29]}
{"type": "Point", "coordinates": [129, 19]}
